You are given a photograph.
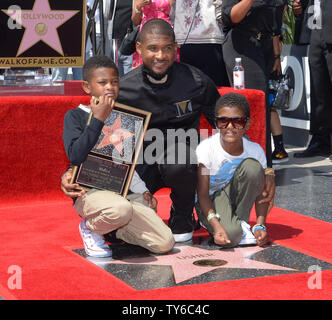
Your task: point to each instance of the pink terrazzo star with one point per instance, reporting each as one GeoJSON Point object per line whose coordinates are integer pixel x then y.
{"type": "Point", "coordinates": [181, 258]}
{"type": "Point", "coordinates": [41, 23]}
{"type": "Point", "coordinates": [114, 135]}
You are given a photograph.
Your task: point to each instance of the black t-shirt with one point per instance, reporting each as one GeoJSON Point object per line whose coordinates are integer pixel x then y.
{"type": "Point", "coordinates": [176, 104]}
{"type": "Point", "coordinates": [264, 16]}
{"type": "Point", "coordinates": [122, 18]}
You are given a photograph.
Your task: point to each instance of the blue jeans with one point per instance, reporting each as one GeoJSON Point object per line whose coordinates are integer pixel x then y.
{"type": "Point", "coordinates": [61, 74]}
{"type": "Point", "coordinates": [123, 62]}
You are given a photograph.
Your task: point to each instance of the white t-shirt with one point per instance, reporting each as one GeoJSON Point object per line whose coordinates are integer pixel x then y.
{"type": "Point", "coordinates": [222, 165]}
{"type": "Point", "coordinates": [195, 21]}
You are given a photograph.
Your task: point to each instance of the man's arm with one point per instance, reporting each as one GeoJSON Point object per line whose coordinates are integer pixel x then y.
{"type": "Point", "coordinates": [73, 190]}
{"type": "Point", "coordinates": [211, 95]}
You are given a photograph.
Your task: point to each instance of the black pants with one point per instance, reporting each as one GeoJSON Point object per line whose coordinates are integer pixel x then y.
{"type": "Point", "coordinates": [320, 58]}
{"type": "Point", "coordinates": [181, 178]}
{"type": "Point", "coordinates": [208, 58]}
{"type": "Point", "coordinates": [257, 61]}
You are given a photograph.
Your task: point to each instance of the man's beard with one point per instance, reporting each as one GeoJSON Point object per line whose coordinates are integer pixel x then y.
{"type": "Point", "coordinates": [154, 75]}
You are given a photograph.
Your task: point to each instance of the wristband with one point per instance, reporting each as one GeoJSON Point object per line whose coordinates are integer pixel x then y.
{"type": "Point", "coordinates": [257, 227]}
{"type": "Point", "coordinates": [213, 215]}
{"type": "Point", "coordinates": [277, 56]}
{"type": "Point", "coordinates": [269, 172]}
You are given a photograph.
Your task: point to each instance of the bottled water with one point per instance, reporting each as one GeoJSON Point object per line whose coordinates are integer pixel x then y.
{"type": "Point", "coordinates": [238, 74]}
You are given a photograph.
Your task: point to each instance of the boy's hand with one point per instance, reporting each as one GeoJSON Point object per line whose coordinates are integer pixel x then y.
{"type": "Point", "coordinates": [150, 200]}
{"type": "Point", "coordinates": [268, 191]}
{"type": "Point", "coordinates": [71, 190]}
{"type": "Point", "coordinates": [219, 233]}
{"type": "Point", "coordinates": [101, 107]}
{"type": "Point", "coordinates": [221, 238]}
{"type": "Point", "coordinates": [261, 237]}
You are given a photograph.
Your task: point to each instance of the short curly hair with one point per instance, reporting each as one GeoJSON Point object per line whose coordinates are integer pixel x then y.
{"type": "Point", "coordinates": [156, 26]}
{"type": "Point", "coordinates": [233, 99]}
{"type": "Point", "coordinates": [96, 62]}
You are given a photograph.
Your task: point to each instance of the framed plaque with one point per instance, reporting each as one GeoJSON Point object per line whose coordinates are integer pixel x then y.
{"type": "Point", "coordinates": [111, 163]}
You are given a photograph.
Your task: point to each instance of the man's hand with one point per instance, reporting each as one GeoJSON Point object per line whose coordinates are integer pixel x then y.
{"type": "Point", "coordinates": [71, 190]}
{"type": "Point", "coordinates": [268, 191]}
{"type": "Point", "coordinates": [297, 7]}
{"type": "Point", "coordinates": [150, 200]}
{"type": "Point", "coordinates": [261, 237]}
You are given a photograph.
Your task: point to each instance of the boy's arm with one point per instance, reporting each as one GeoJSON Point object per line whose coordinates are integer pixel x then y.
{"type": "Point", "coordinates": [263, 205]}
{"type": "Point", "coordinates": [206, 205]}
{"type": "Point", "coordinates": [78, 138]}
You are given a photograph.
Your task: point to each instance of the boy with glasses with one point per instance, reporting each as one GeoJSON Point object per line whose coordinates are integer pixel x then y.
{"type": "Point", "coordinates": [232, 177]}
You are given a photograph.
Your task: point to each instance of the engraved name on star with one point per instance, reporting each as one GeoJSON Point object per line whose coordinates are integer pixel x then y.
{"type": "Point", "coordinates": [41, 24]}
{"type": "Point", "coordinates": [181, 259]}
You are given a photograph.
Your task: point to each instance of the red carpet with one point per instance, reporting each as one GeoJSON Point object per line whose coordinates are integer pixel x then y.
{"type": "Point", "coordinates": [39, 227]}
{"type": "Point", "coordinates": [39, 238]}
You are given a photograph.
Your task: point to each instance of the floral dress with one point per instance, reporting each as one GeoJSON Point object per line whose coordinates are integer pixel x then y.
{"type": "Point", "coordinates": [157, 9]}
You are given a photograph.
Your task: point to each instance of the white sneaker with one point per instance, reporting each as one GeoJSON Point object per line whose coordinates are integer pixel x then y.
{"type": "Point", "coordinates": [247, 236]}
{"type": "Point", "coordinates": [183, 237]}
{"type": "Point", "coordinates": [94, 244]}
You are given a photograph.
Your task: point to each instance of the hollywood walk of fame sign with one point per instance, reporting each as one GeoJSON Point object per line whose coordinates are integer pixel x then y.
{"type": "Point", "coordinates": [42, 33]}
{"type": "Point", "coordinates": [111, 163]}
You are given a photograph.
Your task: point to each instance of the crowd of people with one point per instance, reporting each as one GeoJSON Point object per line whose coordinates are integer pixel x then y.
{"type": "Point", "coordinates": [187, 45]}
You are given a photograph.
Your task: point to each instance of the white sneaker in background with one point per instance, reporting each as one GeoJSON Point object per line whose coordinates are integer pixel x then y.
{"type": "Point", "coordinates": [94, 244]}
{"type": "Point", "coordinates": [247, 236]}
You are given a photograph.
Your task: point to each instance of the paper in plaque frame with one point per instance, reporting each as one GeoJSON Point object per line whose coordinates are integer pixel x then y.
{"type": "Point", "coordinates": [111, 163]}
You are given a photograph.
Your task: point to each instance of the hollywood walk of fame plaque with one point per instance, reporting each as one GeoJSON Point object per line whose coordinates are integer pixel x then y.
{"type": "Point", "coordinates": [42, 33]}
{"type": "Point", "coordinates": [111, 162]}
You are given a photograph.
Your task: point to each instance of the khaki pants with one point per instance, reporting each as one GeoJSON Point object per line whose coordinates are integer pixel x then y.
{"type": "Point", "coordinates": [234, 202]}
{"type": "Point", "coordinates": [135, 223]}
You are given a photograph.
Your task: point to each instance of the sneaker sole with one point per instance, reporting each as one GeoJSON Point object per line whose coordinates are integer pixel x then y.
{"type": "Point", "coordinates": [183, 237]}
{"type": "Point", "coordinates": [247, 242]}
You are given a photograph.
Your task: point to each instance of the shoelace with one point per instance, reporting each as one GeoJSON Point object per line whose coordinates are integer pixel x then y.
{"type": "Point", "coordinates": [92, 237]}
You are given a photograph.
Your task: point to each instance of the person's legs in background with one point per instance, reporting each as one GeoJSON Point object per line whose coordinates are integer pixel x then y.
{"type": "Point", "coordinates": [77, 73]}
{"type": "Point", "coordinates": [123, 62]}
{"type": "Point", "coordinates": [320, 59]}
{"type": "Point", "coordinates": [279, 155]}
{"type": "Point", "coordinates": [59, 74]}
{"type": "Point", "coordinates": [208, 58]}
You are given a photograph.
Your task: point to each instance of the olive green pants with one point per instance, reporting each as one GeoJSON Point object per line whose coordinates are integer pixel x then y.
{"type": "Point", "coordinates": [234, 202]}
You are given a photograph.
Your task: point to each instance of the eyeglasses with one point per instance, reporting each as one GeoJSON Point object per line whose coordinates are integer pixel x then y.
{"type": "Point", "coordinates": [237, 122]}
